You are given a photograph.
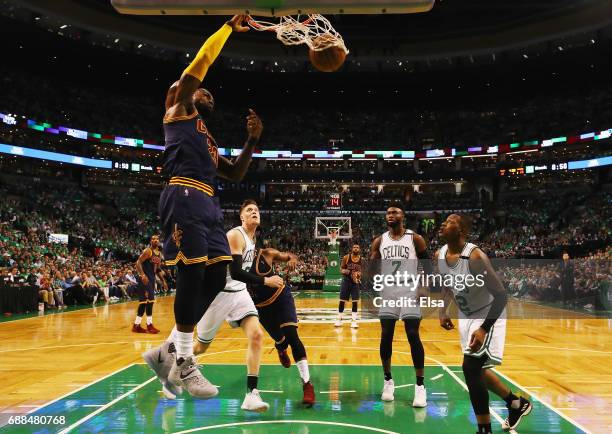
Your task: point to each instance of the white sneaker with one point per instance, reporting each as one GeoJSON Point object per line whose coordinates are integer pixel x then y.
{"type": "Point", "coordinates": [354, 325]}
{"type": "Point", "coordinates": [253, 402]}
{"type": "Point", "coordinates": [420, 397]}
{"type": "Point", "coordinates": [338, 323]}
{"type": "Point", "coordinates": [388, 390]}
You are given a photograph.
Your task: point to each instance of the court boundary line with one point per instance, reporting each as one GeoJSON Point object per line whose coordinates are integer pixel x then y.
{"type": "Point", "coordinates": [263, 422]}
{"type": "Point", "coordinates": [105, 406]}
{"type": "Point", "coordinates": [462, 384]}
{"type": "Point", "coordinates": [53, 401]}
{"type": "Point", "coordinates": [549, 406]}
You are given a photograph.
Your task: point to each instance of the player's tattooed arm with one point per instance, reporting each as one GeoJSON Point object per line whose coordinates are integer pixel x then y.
{"type": "Point", "coordinates": [481, 265]}
{"type": "Point", "coordinates": [145, 255]}
{"type": "Point", "coordinates": [235, 171]}
{"type": "Point", "coordinates": [373, 264]}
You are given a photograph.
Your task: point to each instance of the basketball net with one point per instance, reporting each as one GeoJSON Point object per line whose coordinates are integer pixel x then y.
{"type": "Point", "coordinates": [333, 238]}
{"type": "Point", "coordinates": [316, 31]}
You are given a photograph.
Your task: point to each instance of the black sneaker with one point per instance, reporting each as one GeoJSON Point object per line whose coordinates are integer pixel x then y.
{"type": "Point", "coordinates": [515, 415]}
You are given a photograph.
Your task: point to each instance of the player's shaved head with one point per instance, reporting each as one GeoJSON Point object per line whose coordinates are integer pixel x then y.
{"type": "Point", "coordinates": [465, 222]}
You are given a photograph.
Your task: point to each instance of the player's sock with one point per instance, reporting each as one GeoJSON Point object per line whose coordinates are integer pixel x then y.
{"type": "Point", "coordinates": [388, 376]}
{"type": "Point", "coordinates": [138, 320]}
{"type": "Point", "coordinates": [252, 382]}
{"type": "Point", "coordinates": [420, 380]}
{"type": "Point", "coordinates": [184, 345]}
{"type": "Point", "coordinates": [484, 428]}
{"type": "Point", "coordinates": [149, 319]}
{"type": "Point", "coordinates": [302, 366]}
{"type": "Point", "coordinates": [512, 401]}
{"type": "Point", "coordinates": [354, 316]}
{"type": "Point", "coordinates": [172, 336]}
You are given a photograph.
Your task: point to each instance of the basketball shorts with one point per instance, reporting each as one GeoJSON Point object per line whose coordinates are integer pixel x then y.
{"type": "Point", "coordinates": [281, 313]}
{"type": "Point", "coordinates": [230, 306]}
{"type": "Point", "coordinates": [349, 290]}
{"type": "Point", "coordinates": [146, 293]}
{"type": "Point", "coordinates": [192, 227]}
{"type": "Point", "coordinates": [493, 346]}
{"type": "Point", "coordinates": [399, 304]}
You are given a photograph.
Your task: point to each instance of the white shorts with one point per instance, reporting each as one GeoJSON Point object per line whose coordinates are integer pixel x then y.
{"type": "Point", "coordinates": [228, 306]}
{"type": "Point", "coordinates": [399, 304]}
{"type": "Point", "coordinates": [493, 345]}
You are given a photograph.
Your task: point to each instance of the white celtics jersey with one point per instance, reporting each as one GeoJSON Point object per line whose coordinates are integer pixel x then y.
{"type": "Point", "coordinates": [248, 255]}
{"type": "Point", "coordinates": [474, 299]}
{"type": "Point", "coordinates": [398, 256]}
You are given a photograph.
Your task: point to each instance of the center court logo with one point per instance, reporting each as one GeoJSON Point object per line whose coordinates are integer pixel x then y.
{"type": "Point", "coordinates": [329, 315]}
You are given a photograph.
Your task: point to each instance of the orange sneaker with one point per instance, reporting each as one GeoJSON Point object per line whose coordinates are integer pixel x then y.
{"type": "Point", "coordinates": [309, 395]}
{"type": "Point", "coordinates": [151, 329]}
{"type": "Point", "coordinates": [138, 329]}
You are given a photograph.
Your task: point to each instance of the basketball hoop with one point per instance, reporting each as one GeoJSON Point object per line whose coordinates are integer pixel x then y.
{"type": "Point", "coordinates": [298, 31]}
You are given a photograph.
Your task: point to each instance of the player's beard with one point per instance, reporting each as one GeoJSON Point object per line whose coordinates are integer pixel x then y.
{"type": "Point", "coordinates": [394, 224]}
{"type": "Point", "coordinates": [204, 110]}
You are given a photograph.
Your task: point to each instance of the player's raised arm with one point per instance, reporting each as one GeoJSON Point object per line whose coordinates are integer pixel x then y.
{"type": "Point", "coordinates": [194, 74]}
{"type": "Point", "coordinates": [145, 255]}
{"type": "Point", "coordinates": [235, 171]}
{"type": "Point", "coordinates": [481, 265]}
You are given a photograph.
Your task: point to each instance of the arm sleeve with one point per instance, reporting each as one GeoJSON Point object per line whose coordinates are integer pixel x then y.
{"type": "Point", "coordinates": [241, 275]}
{"type": "Point", "coordinates": [497, 307]}
{"type": "Point", "coordinates": [208, 53]}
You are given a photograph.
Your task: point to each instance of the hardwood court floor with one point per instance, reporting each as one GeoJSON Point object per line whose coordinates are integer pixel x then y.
{"type": "Point", "coordinates": [562, 362]}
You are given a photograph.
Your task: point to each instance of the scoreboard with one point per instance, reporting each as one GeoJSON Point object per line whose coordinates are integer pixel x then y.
{"type": "Point", "coordinates": [334, 201]}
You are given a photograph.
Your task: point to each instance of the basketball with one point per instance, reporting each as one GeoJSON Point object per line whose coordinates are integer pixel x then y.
{"type": "Point", "coordinates": [330, 59]}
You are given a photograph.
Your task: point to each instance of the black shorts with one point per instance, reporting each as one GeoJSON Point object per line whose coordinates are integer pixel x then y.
{"type": "Point", "coordinates": [349, 290]}
{"type": "Point", "coordinates": [281, 313]}
{"type": "Point", "coordinates": [146, 293]}
{"type": "Point", "coordinates": [192, 227]}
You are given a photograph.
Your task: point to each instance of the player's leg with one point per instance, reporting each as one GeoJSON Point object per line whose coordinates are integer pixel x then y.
{"type": "Point", "coordinates": [140, 310]}
{"type": "Point", "coordinates": [518, 407]}
{"type": "Point", "coordinates": [196, 296]}
{"type": "Point", "coordinates": [354, 309]}
{"type": "Point", "coordinates": [479, 395]}
{"type": "Point", "coordinates": [386, 350]}
{"type": "Point", "coordinates": [412, 325]}
{"type": "Point", "coordinates": [149, 310]}
{"type": "Point", "coordinates": [344, 297]}
{"type": "Point", "coordinates": [252, 330]}
{"type": "Point", "coordinates": [299, 356]}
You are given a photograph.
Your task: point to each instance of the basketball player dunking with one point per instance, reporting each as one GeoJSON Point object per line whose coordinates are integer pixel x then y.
{"type": "Point", "coordinates": [398, 251]}
{"type": "Point", "coordinates": [147, 266]}
{"type": "Point", "coordinates": [190, 213]}
{"type": "Point", "coordinates": [350, 287]}
{"type": "Point", "coordinates": [234, 305]}
{"type": "Point", "coordinates": [482, 321]}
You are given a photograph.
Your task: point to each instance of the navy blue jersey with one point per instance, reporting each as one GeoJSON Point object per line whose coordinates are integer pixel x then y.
{"type": "Point", "coordinates": [152, 265]}
{"type": "Point", "coordinates": [191, 152]}
{"type": "Point", "coordinates": [262, 295]}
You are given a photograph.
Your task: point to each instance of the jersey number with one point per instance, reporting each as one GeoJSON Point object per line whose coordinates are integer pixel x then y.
{"type": "Point", "coordinates": [397, 265]}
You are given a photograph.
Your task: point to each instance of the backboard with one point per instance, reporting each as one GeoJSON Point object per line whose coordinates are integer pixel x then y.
{"type": "Point", "coordinates": [271, 8]}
